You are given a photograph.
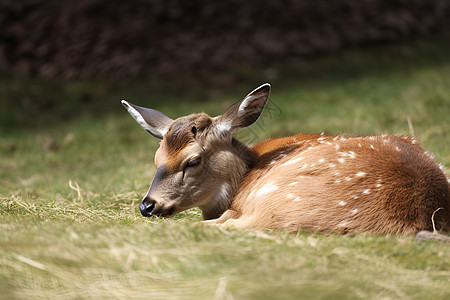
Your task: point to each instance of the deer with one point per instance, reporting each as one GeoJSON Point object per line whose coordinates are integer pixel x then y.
{"type": "Point", "coordinates": [381, 184]}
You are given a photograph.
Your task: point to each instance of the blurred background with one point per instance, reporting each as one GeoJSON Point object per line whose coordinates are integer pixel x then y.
{"type": "Point", "coordinates": [82, 50]}
{"type": "Point", "coordinates": [121, 39]}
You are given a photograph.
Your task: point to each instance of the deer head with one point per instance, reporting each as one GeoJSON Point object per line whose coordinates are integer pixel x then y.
{"type": "Point", "coordinates": [199, 163]}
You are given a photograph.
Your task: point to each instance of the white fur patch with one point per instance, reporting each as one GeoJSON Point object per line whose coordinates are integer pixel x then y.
{"type": "Point", "coordinates": [225, 190]}
{"type": "Point", "coordinates": [342, 203]}
{"type": "Point", "coordinates": [360, 174]}
{"type": "Point", "coordinates": [223, 126]}
{"type": "Point", "coordinates": [293, 161]}
{"type": "Point", "coordinates": [266, 189]}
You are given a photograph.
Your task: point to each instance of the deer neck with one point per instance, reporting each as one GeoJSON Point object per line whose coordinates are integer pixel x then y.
{"type": "Point", "coordinates": [243, 160]}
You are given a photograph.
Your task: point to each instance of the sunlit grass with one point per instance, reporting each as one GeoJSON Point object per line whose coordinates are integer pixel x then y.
{"type": "Point", "coordinates": [69, 191]}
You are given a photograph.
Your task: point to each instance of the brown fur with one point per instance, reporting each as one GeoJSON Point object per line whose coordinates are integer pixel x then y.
{"type": "Point", "coordinates": [370, 184]}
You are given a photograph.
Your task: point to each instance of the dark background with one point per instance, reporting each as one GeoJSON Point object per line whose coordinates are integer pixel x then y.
{"type": "Point", "coordinates": [61, 40]}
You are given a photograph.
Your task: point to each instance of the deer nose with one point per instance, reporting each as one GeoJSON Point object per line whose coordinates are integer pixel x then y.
{"type": "Point", "coordinates": [147, 206]}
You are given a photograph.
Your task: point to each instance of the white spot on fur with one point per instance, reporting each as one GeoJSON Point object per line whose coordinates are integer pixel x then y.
{"type": "Point", "coordinates": [350, 154]}
{"type": "Point", "coordinates": [342, 203]}
{"type": "Point", "coordinates": [337, 181]}
{"type": "Point", "coordinates": [348, 178]}
{"type": "Point", "coordinates": [441, 166]}
{"type": "Point", "coordinates": [359, 145]}
{"type": "Point", "coordinates": [331, 165]}
{"type": "Point", "coordinates": [293, 183]}
{"type": "Point", "coordinates": [360, 174]}
{"type": "Point", "coordinates": [354, 211]}
{"type": "Point", "coordinates": [294, 197]}
{"type": "Point", "coordinates": [397, 148]}
{"type": "Point", "coordinates": [321, 138]}
{"type": "Point", "coordinates": [321, 160]}
{"type": "Point", "coordinates": [366, 191]}
{"type": "Point", "coordinates": [293, 161]}
{"type": "Point", "coordinates": [341, 160]}
{"type": "Point", "coordinates": [266, 189]}
{"type": "Point", "coordinates": [378, 185]}
{"type": "Point", "coordinates": [343, 224]}
{"type": "Point", "coordinates": [355, 197]}
{"type": "Point", "coordinates": [371, 146]}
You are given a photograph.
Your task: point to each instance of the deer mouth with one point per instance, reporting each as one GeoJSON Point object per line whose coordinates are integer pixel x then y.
{"type": "Point", "coordinates": [167, 213]}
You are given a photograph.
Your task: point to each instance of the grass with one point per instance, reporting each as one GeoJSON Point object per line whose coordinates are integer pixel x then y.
{"type": "Point", "coordinates": [74, 167]}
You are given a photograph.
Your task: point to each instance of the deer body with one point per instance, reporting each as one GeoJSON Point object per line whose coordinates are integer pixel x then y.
{"type": "Point", "coordinates": [381, 184]}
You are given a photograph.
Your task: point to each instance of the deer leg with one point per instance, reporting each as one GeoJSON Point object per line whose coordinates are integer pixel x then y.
{"type": "Point", "coordinates": [227, 215]}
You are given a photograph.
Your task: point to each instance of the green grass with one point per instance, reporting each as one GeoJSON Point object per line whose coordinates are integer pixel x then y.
{"type": "Point", "coordinates": [73, 172]}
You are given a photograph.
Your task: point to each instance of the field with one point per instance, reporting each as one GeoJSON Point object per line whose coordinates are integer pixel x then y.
{"type": "Point", "coordinates": [74, 167]}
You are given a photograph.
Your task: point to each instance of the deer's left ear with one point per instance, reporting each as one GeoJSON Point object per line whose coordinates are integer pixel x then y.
{"type": "Point", "coordinates": [245, 112]}
{"type": "Point", "coordinates": [154, 122]}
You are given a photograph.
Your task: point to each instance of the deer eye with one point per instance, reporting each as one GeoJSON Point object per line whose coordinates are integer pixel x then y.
{"type": "Point", "coordinates": [194, 162]}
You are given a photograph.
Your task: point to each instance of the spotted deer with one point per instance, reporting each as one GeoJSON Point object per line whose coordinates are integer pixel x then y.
{"type": "Point", "coordinates": [375, 184]}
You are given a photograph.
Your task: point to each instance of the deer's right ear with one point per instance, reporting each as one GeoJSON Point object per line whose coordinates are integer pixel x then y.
{"type": "Point", "coordinates": [245, 112]}
{"type": "Point", "coordinates": [154, 122]}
